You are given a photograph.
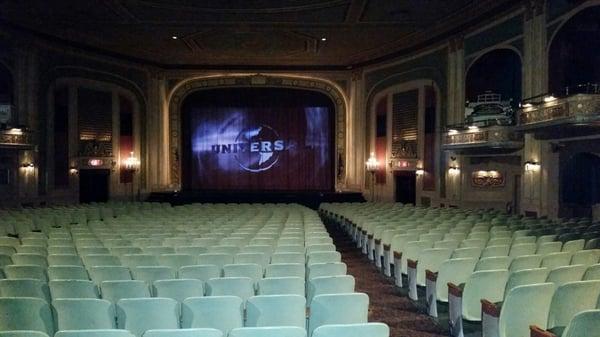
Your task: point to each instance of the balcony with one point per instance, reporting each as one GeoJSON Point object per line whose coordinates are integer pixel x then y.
{"type": "Point", "coordinates": [486, 139]}
{"type": "Point", "coordinates": [550, 117]}
{"type": "Point", "coordinates": [16, 138]}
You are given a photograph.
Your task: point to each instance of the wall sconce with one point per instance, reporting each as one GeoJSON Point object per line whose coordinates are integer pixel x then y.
{"type": "Point", "coordinates": [372, 164]}
{"type": "Point", "coordinates": [420, 172]}
{"type": "Point", "coordinates": [73, 170]}
{"type": "Point", "coordinates": [28, 167]}
{"type": "Point", "coordinates": [131, 163]}
{"type": "Point", "coordinates": [531, 166]}
{"type": "Point", "coordinates": [453, 170]}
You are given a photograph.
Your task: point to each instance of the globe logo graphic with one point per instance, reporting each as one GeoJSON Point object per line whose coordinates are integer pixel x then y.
{"type": "Point", "coordinates": [263, 146]}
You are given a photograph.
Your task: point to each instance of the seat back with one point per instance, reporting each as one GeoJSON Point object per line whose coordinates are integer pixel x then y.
{"type": "Point", "coordinates": [562, 275]}
{"type": "Point", "coordinates": [431, 259]}
{"type": "Point", "coordinates": [339, 284]}
{"type": "Point", "coordinates": [456, 271]}
{"type": "Point", "coordinates": [141, 314]}
{"type": "Point", "coordinates": [592, 273]}
{"type": "Point", "coordinates": [177, 261]}
{"type": "Point", "coordinates": [525, 262]}
{"type": "Point", "coordinates": [285, 270]}
{"type": "Point", "coordinates": [583, 323]}
{"type": "Point", "coordinates": [492, 251]}
{"type": "Point", "coordinates": [26, 271]}
{"type": "Point", "coordinates": [352, 330]}
{"type": "Point", "coordinates": [25, 313]}
{"type": "Point", "coordinates": [586, 257]}
{"type": "Point", "coordinates": [554, 260]}
{"type": "Point", "coordinates": [73, 289]}
{"type": "Point", "coordinates": [524, 306]}
{"type": "Point", "coordinates": [467, 252]}
{"type": "Point", "coordinates": [83, 314]}
{"type": "Point", "coordinates": [206, 332]}
{"type": "Point", "coordinates": [276, 310]}
{"type": "Point", "coordinates": [100, 274]}
{"type": "Point", "coordinates": [67, 273]}
{"type": "Point", "coordinates": [487, 284]}
{"type": "Point", "coordinates": [571, 298]}
{"type": "Point", "coordinates": [242, 287]}
{"type": "Point", "coordinates": [178, 289]}
{"type": "Point", "coordinates": [217, 259]}
{"type": "Point", "coordinates": [526, 277]}
{"type": "Point", "coordinates": [545, 248]}
{"type": "Point", "coordinates": [338, 309]}
{"type": "Point", "coordinates": [149, 274]}
{"type": "Point", "coordinates": [493, 263]}
{"type": "Point", "coordinates": [24, 288]}
{"type": "Point", "coordinates": [522, 249]}
{"type": "Point", "coordinates": [324, 257]}
{"type": "Point", "coordinates": [281, 286]}
{"type": "Point", "coordinates": [275, 331]}
{"type": "Point", "coordinates": [250, 270]}
{"type": "Point", "coordinates": [326, 269]}
{"type": "Point", "coordinates": [117, 290]}
{"type": "Point", "coordinates": [200, 272]}
{"type": "Point", "coordinates": [218, 312]}
{"type": "Point", "coordinates": [573, 245]}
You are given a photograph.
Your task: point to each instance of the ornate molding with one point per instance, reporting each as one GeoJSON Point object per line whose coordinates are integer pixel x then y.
{"type": "Point", "coordinates": [273, 81]}
{"type": "Point", "coordinates": [16, 140]}
{"type": "Point", "coordinates": [580, 107]}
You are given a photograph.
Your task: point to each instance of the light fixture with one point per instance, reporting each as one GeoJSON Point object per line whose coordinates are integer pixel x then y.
{"type": "Point", "coordinates": [372, 163]}
{"type": "Point", "coordinates": [452, 131]}
{"type": "Point", "coordinates": [73, 170]}
{"type": "Point", "coordinates": [473, 127]}
{"type": "Point", "coordinates": [527, 105]}
{"type": "Point", "coordinates": [131, 163]}
{"type": "Point", "coordinates": [174, 37]}
{"type": "Point", "coordinates": [549, 99]}
{"type": "Point", "coordinates": [28, 167]}
{"type": "Point", "coordinates": [323, 39]}
{"type": "Point", "coordinates": [15, 131]}
{"type": "Point", "coordinates": [532, 166]}
{"type": "Point", "coordinates": [453, 170]}
{"type": "Point", "coordinates": [420, 172]}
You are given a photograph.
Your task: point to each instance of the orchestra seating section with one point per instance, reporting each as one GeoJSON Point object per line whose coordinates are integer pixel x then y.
{"type": "Point", "coordinates": [499, 275]}
{"type": "Point", "coordinates": [153, 270]}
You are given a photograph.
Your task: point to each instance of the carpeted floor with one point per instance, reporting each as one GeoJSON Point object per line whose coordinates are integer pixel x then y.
{"type": "Point", "coordinates": [387, 305]}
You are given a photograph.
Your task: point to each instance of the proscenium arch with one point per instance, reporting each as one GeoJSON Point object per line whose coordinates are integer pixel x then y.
{"type": "Point", "coordinates": [178, 94]}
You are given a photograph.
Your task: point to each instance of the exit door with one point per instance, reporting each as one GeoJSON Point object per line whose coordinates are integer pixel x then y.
{"type": "Point", "coordinates": [93, 185]}
{"type": "Point", "coordinates": [406, 190]}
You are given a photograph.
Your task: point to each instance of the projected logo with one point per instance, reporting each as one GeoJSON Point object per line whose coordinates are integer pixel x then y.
{"type": "Point", "coordinates": [255, 149]}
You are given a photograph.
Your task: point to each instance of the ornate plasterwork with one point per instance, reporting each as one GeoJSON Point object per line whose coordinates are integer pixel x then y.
{"type": "Point", "coordinates": [276, 81]}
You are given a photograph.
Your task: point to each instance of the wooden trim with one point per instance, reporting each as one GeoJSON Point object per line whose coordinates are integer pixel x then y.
{"type": "Point", "coordinates": [364, 232]}
{"type": "Point", "coordinates": [431, 276]}
{"type": "Point", "coordinates": [412, 263]}
{"type": "Point", "coordinates": [490, 308]}
{"type": "Point", "coordinates": [536, 331]}
{"type": "Point", "coordinates": [386, 247]}
{"type": "Point", "coordinates": [398, 255]}
{"type": "Point", "coordinates": [454, 290]}
{"type": "Point", "coordinates": [377, 241]}
{"type": "Point", "coordinates": [370, 236]}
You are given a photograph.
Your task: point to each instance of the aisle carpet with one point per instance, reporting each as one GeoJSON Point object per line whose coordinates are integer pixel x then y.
{"type": "Point", "coordinates": [386, 303]}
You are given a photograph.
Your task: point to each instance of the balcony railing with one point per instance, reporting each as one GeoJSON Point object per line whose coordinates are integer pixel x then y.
{"type": "Point", "coordinates": [491, 137]}
{"type": "Point", "coordinates": [577, 109]}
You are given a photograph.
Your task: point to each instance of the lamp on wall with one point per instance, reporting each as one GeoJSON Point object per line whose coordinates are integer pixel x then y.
{"type": "Point", "coordinates": [28, 167]}
{"type": "Point", "coordinates": [372, 164]}
{"type": "Point", "coordinates": [531, 166]}
{"type": "Point", "coordinates": [73, 170]}
{"type": "Point", "coordinates": [132, 165]}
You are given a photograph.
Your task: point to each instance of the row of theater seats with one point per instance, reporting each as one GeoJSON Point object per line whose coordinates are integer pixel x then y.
{"type": "Point", "coordinates": [194, 270]}
{"type": "Point", "coordinates": [483, 267]}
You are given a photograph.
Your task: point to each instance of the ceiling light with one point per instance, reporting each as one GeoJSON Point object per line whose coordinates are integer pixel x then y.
{"type": "Point", "coordinates": [323, 39]}
{"type": "Point", "coordinates": [174, 37]}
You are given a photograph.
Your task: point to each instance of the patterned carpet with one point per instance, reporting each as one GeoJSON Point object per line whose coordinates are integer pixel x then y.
{"type": "Point", "coordinates": [386, 303]}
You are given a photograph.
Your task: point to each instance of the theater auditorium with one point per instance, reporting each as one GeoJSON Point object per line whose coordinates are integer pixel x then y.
{"type": "Point", "coordinates": [300, 168]}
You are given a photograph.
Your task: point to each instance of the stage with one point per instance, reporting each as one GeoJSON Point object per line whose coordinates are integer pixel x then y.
{"type": "Point", "coordinates": [306, 198]}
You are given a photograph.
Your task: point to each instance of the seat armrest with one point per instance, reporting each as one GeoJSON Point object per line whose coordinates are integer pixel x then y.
{"type": "Point", "coordinates": [490, 308]}
{"type": "Point", "coordinates": [454, 290]}
{"type": "Point", "coordinates": [536, 331]}
{"type": "Point", "coordinates": [431, 276]}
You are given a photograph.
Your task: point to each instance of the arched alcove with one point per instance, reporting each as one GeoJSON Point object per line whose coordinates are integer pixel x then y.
{"type": "Point", "coordinates": [498, 71]}
{"type": "Point", "coordinates": [6, 85]}
{"type": "Point", "coordinates": [573, 57]}
{"type": "Point", "coordinates": [580, 183]}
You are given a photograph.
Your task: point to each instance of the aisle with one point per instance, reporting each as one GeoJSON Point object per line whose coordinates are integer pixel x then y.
{"type": "Point", "coordinates": [386, 305]}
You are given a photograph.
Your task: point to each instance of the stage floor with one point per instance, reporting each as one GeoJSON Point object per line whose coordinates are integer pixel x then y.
{"type": "Point", "coordinates": [306, 198]}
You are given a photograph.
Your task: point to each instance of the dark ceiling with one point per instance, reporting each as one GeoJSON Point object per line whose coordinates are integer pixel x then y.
{"type": "Point", "coordinates": [245, 32]}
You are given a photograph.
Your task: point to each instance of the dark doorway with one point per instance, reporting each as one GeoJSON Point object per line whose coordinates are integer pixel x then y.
{"type": "Point", "coordinates": [93, 185]}
{"type": "Point", "coordinates": [406, 191]}
{"type": "Point", "coordinates": [580, 185]}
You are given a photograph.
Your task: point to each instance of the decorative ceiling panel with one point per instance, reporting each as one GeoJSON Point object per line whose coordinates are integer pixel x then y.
{"type": "Point", "coordinates": [335, 33]}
